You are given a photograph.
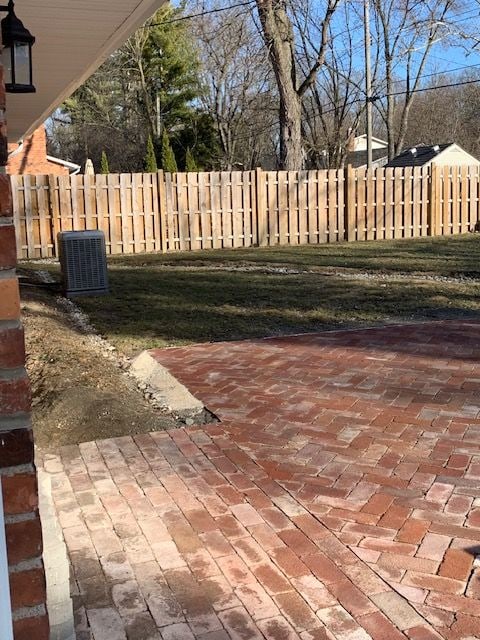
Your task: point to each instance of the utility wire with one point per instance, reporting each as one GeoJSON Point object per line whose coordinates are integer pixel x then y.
{"type": "Point", "coordinates": [357, 100]}
{"type": "Point", "coordinates": [441, 73]}
{"type": "Point", "coordinates": [374, 99]}
{"type": "Point", "coordinates": [199, 15]}
{"type": "Point", "coordinates": [403, 93]}
{"type": "Point", "coordinates": [422, 89]}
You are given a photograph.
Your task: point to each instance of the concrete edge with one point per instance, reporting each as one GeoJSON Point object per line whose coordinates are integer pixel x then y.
{"type": "Point", "coordinates": [57, 568]}
{"type": "Point", "coordinates": [165, 388]}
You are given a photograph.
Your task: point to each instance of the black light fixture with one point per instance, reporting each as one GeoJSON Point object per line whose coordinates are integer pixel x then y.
{"type": "Point", "coordinates": [16, 55]}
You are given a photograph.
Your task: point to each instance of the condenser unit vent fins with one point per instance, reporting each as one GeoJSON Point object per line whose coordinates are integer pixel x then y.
{"type": "Point", "coordinates": [84, 262]}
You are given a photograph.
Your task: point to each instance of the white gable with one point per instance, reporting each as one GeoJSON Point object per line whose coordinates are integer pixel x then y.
{"type": "Point", "coordinates": [360, 143]}
{"type": "Point", "coordinates": [454, 156]}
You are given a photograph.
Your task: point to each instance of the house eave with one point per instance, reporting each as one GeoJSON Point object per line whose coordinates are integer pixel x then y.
{"type": "Point", "coordinates": [64, 163]}
{"type": "Point", "coordinates": [72, 41]}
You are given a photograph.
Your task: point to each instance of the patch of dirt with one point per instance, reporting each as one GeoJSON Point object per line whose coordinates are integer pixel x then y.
{"type": "Point", "coordinates": [80, 390]}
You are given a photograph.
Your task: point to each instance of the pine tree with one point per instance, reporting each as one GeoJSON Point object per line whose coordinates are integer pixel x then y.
{"type": "Point", "coordinates": [116, 106]}
{"type": "Point", "coordinates": [104, 168]}
{"type": "Point", "coordinates": [169, 164]}
{"type": "Point", "coordinates": [190, 162]}
{"type": "Point", "coordinates": [150, 163]}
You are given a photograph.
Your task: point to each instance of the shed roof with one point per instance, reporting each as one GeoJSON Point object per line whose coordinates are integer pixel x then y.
{"type": "Point", "coordinates": [418, 156]}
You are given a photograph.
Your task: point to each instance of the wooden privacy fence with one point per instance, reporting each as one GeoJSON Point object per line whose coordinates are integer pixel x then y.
{"type": "Point", "coordinates": [189, 211]}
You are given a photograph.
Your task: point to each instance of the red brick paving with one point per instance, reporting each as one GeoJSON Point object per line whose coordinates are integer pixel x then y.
{"type": "Point", "coordinates": [338, 497]}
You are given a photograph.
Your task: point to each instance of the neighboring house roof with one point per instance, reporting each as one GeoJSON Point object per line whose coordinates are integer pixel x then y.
{"type": "Point", "coordinates": [358, 159]}
{"type": "Point", "coordinates": [423, 155]}
{"type": "Point", "coordinates": [362, 141]}
{"type": "Point", "coordinates": [30, 157]}
{"type": "Point", "coordinates": [418, 156]}
{"type": "Point", "coordinates": [71, 166]}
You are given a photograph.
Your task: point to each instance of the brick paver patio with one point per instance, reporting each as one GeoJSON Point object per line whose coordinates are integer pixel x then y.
{"type": "Point", "coordinates": [337, 498]}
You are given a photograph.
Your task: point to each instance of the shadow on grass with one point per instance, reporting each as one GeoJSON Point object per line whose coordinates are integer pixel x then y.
{"type": "Point", "coordinates": [448, 256]}
{"type": "Point", "coordinates": [150, 308]}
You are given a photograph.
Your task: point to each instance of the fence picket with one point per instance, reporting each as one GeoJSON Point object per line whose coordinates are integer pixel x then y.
{"type": "Point", "coordinates": [272, 195]}
{"type": "Point", "coordinates": [321, 233]}
{"type": "Point", "coordinates": [215, 189]}
{"type": "Point", "coordinates": [425, 207]}
{"type": "Point", "coordinates": [190, 211]}
{"type": "Point", "coordinates": [261, 198]}
{"type": "Point", "coordinates": [455, 201]}
{"type": "Point", "coordinates": [16, 182]}
{"type": "Point", "coordinates": [447, 202]}
{"type": "Point", "coordinates": [237, 210]}
{"type": "Point", "coordinates": [283, 214]}
{"type": "Point", "coordinates": [27, 194]}
{"type": "Point", "coordinates": [370, 223]}
{"type": "Point", "coordinates": [388, 222]}
{"type": "Point", "coordinates": [473, 213]}
{"type": "Point", "coordinates": [361, 204]}
{"type": "Point", "coordinates": [245, 194]}
{"type": "Point", "coordinates": [88, 202]}
{"type": "Point", "coordinates": [407, 203]}
{"type": "Point", "coordinates": [398, 202]}
{"type": "Point", "coordinates": [43, 216]}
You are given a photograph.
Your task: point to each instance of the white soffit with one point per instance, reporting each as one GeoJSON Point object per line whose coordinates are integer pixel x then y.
{"type": "Point", "coordinates": [73, 37]}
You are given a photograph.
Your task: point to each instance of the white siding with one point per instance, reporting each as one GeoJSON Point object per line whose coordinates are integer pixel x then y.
{"type": "Point", "coordinates": [455, 157]}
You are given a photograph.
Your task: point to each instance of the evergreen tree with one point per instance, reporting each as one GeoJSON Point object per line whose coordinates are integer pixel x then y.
{"type": "Point", "coordinates": [169, 163]}
{"type": "Point", "coordinates": [190, 163]}
{"type": "Point", "coordinates": [201, 136]}
{"type": "Point", "coordinates": [150, 164]}
{"type": "Point", "coordinates": [117, 105]}
{"type": "Point", "coordinates": [104, 168]}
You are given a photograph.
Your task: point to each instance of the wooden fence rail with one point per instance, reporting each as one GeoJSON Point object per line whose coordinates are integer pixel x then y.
{"type": "Point", "coordinates": [189, 211]}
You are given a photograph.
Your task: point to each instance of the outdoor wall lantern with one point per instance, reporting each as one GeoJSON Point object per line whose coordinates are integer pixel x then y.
{"type": "Point", "coordinates": [16, 55]}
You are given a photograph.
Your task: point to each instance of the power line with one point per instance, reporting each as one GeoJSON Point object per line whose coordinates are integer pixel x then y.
{"type": "Point", "coordinates": [447, 20]}
{"type": "Point", "coordinates": [403, 93]}
{"type": "Point", "coordinates": [357, 100]}
{"type": "Point", "coordinates": [422, 89]}
{"type": "Point", "coordinates": [250, 2]}
{"type": "Point", "coordinates": [199, 15]}
{"type": "Point", "coordinates": [375, 98]}
{"type": "Point", "coordinates": [441, 73]}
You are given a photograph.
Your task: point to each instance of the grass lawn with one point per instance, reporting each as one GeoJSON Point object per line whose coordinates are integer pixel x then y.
{"type": "Point", "coordinates": [448, 256]}
{"type": "Point", "coordinates": [160, 300]}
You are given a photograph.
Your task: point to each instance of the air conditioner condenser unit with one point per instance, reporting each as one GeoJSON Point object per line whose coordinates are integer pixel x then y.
{"type": "Point", "coordinates": [83, 260]}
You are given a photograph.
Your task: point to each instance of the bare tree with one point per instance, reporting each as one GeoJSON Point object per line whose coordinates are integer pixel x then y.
{"type": "Point", "coordinates": [334, 104]}
{"type": "Point", "coordinates": [278, 34]}
{"type": "Point", "coordinates": [447, 114]}
{"type": "Point", "coordinates": [237, 84]}
{"type": "Point", "coordinates": [407, 31]}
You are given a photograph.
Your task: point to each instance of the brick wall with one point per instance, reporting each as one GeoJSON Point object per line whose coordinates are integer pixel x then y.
{"type": "Point", "coordinates": [17, 470]}
{"type": "Point", "coordinates": [32, 159]}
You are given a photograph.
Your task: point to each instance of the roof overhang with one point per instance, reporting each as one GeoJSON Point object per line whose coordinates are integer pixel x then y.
{"type": "Point", "coordinates": [72, 39]}
{"type": "Point", "coordinates": [71, 166]}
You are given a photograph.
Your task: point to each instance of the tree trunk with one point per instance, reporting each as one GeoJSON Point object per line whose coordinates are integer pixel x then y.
{"type": "Point", "coordinates": [290, 112]}
{"type": "Point", "coordinates": [390, 110]}
{"type": "Point", "coordinates": [279, 39]}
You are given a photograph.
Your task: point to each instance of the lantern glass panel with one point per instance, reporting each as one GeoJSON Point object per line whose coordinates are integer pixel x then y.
{"type": "Point", "coordinates": [6, 61]}
{"type": "Point", "coordinates": [22, 63]}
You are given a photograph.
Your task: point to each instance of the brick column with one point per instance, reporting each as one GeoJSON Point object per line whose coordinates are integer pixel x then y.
{"type": "Point", "coordinates": [17, 470]}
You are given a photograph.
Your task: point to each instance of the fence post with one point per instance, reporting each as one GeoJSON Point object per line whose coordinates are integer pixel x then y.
{"type": "Point", "coordinates": [261, 208]}
{"type": "Point", "coordinates": [15, 184]}
{"type": "Point", "coordinates": [349, 212]}
{"type": "Point", "coordinates": [162, 210]}
{"type": "Point", "coordinates": [434, 202]}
